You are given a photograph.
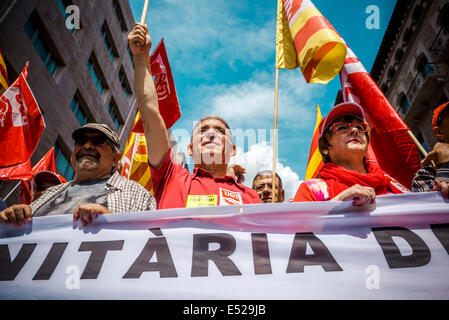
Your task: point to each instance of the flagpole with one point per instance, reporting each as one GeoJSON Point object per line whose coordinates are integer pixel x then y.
{"type": "Point", "coordinates": [127, 120]}
{"type": "Point", "coordinates": [273, 180]}
{"type": "Point", "coordinates": [420, 147]}
{"type": "Point", "coordinates": [144, 16]}
{"type": "Point", "coordinates": [7, 11]}
{"type": "Point", "coordinates": [7, 196]}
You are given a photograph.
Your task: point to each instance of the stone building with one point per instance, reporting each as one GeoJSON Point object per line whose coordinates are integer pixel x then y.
{"type": "Point", "coordinates": [412, 65]}
{"type": "Point", "coordinates": [77, 75]}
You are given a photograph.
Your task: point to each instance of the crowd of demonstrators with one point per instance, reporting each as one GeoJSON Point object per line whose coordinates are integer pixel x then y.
{"type": "Point", "coordinates": [346, 175]}
{"type": "Point", "coordinates": [211, 147]}
{"type": "Point", "coordinates": [434, 175]}
{"type": "Point", "coordinates": [263, 184]}
{"type": "Point", "coordinates": [97, 188]}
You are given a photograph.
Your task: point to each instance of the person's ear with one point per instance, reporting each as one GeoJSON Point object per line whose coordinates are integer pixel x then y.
{"type": "Point", "coordinates": [282, 195]}
{"type": "Point", "coordinates": [117, 157]}
{"type": "Point", "coordinates": [438, 133]}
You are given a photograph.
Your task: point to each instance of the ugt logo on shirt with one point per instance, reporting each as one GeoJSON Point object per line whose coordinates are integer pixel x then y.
{"type": "Point", "coordinates": [229, 198]}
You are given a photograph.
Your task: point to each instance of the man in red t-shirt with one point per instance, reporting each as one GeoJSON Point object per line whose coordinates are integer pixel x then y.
{"type": "Point", "coordinates": [211, 147]}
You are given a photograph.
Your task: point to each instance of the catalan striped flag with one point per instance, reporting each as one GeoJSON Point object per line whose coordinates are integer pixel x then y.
{"type": "Point", "coordinates": [315, 159]}
{"type": "Point", "coordinates": [3, 75]}
{"type": "Point", "coordinates": [306, 39]}
{"type": "Point", "coordinates": [135, 159]}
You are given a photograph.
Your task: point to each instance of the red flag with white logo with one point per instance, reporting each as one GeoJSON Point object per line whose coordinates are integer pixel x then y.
{"type": "Point", "coordinates": [165, 88]}
{"type": "Point", "coordinates": [390, 144]}
{"type": "Point", "coordinates": [21, 122]}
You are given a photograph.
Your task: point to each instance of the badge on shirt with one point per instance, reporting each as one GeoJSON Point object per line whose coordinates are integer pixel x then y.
{"type": "Point", "coordinates": [230, 198]}
{"type": "Point", "coordinates": [194, 201]}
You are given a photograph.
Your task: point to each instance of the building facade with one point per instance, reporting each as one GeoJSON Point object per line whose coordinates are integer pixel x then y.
{"type": "Point", "coordinates": [412, 65]}
{"type": "Point", "coordinates": [77, 75]}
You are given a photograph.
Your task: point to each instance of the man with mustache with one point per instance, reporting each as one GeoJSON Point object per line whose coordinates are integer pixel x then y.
{"type": "Point", "coordinates": [211, 147]}
{"type": "Point", "coordinates": [263, 184]}
{"type": "Point", "coordinates": [97, 188]}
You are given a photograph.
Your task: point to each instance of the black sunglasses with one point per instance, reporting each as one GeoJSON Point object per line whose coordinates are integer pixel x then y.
{"type": "Point", "coordinates": [81, 140]}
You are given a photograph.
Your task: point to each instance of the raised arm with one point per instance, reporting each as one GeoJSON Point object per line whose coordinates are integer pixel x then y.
{"type": "Point", "coordinates": [154, 127]}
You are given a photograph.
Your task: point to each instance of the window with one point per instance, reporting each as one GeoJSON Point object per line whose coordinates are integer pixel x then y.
{"type": "Point", "coordinates": [107, 42]}
{"type": "Point", "coordinates": [444, 17]}
{"type": "Point", "coordinates": [124, 83]}
{"type": "Point", "coordinates": [95, 74]}
{"type": "Point", "coordinates": [63, 166]}
{"type": "Point", "coordinates": [408, 35]}
{"type": "Point", "coordinates": [34, 30]}
{"type": "Point", "coordinates": [77, 110]}
{"type": "Point", "coordinates": [403, 103]}
{"type": "Point", "coordinates": [118, 14]}
{"type": "Point", "coordinates": [130, 55]}
{"type": "Point", "coordinates": [391, 73]}
{"type": "Point", "coordinates": [112, 109]}
{"type": "Point", "coordinates": [399, 55]}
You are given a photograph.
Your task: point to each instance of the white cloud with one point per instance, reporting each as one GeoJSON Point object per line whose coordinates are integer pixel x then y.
{"type": "Point", "coordinates": [260, 157]}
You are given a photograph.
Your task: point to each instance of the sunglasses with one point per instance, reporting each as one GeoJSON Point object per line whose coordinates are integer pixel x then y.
{"type": "Point", "coordinates": [96, 140]}
{"type": "Point", "coordinates": [343, 127]}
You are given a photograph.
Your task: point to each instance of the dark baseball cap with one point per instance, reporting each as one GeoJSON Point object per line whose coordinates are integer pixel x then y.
{"type": "Point", "coordinates": [102, 128]}
{"type": "Point", "coordinates": [48, 176]}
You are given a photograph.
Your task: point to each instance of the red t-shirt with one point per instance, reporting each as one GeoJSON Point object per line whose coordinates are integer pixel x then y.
{"type": "Point", "coordinates": [175, 187]}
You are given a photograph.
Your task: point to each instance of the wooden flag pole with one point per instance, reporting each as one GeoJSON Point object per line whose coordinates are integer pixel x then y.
{"type": "Point", "coordinates": [144, 16]}
{"type": "Point", "coordinates": [144, 12]}
{"type": "Point", "coordinates": [420, 147]}
{"type": "Point", "coordinates": [273, 180]}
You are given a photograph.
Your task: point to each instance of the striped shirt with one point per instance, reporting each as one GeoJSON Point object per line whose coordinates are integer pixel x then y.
{"type": "Point", "coordinates": [425, 177]}
{"type": "Point", "coordinates": [123, 195]}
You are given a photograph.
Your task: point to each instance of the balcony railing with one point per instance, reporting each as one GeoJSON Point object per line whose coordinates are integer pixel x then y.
{"type": "Point", "coordinates": [440, 42]}
{"type": "Point", "coordinates": [429, 69]}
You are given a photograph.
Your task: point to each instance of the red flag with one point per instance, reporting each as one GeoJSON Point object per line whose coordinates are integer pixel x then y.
{"type": "Point", "coordinates": [47, 163]}
{"type": "Point", "coordinates": [21, 122]}
{"type": "Point", "coordinates": [165, 87]}
{"type": "Point", "coordinates": [19, 172]}
{"type": "Point", "coordinates": [393, 148]}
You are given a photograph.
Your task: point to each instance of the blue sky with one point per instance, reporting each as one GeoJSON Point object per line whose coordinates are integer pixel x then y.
{"type": "Point", "coordinates": [222, 56]}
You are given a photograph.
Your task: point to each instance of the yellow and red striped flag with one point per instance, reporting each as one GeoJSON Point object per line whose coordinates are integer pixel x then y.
{"type": "Point", "coordinates": [3, 75]}
{"type": "Point", "coordinates": [135, 159]}
{"type": "Point", "coordinates": [306, 39]}
{"type": "Point", "coordinates": [315, 158]}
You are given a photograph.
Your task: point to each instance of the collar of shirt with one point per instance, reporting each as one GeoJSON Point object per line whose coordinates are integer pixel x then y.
{"type": "Point", "coordinates": [199, 172]}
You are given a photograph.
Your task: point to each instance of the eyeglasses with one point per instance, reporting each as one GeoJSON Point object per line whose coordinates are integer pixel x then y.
{"type": "Point", "coordinates": [96, 140]}
{"type": "Point", "coordinates": [343, 127]}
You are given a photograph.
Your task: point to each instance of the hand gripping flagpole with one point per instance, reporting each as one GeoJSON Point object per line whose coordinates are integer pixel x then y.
{"type": "Point", "coordinates": [273, 180]}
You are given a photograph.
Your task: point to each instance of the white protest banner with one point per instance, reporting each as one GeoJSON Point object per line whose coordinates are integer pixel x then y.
{"type": "Point", "coordinates": [397, 248]}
